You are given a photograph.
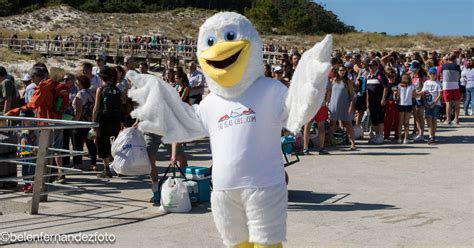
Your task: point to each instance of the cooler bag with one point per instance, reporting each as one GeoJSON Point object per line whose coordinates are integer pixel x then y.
{"type": "Point", "coordinates": [202, 177]}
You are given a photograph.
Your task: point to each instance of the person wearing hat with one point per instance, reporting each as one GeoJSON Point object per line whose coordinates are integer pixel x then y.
{"type": "Point", "coordinates": [278, 75]}
{"type": "Point", "coordinates": [377, 90]}
{"type": "Point", "coordinates": [108, 114]}
{"type": "Point", "coordinates": [100, 61]}
{"type": "Point", "coordinates": [30, 88]}
{"type": "Point", "coordinates": [432, 92]}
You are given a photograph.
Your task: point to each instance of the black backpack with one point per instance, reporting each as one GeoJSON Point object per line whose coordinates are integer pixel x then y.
{"type": "Point", "coordinates": [111, 103]}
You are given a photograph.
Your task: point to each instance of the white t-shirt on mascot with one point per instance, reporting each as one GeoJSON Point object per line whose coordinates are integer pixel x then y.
{"type": "Point", "coordinates": [247, 125]}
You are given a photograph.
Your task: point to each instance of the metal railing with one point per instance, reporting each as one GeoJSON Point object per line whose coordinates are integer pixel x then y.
{"type": "Point", "coordinates": [112, 49]}
{"type": "Point", "coordinates": [44, 153]}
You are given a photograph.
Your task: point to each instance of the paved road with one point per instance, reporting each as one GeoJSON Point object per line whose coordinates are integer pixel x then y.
{"type": "Point", "coordinates": [391, 195]}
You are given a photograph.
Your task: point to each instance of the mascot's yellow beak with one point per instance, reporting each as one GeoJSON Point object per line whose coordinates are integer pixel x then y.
{"type": "Point", "coordinates": [225, 62]}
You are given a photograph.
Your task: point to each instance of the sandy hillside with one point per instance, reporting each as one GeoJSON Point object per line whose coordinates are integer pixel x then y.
{"type": "Point", "coordinates": [185, 23]}
{"type": "Point", "coordinates": [67, 20]}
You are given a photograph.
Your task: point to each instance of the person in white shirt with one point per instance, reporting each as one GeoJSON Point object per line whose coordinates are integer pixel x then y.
{"type": "Point", "coordinates": [197, 81]}
{"type": "Point", "coordinates": [100, 62]}
{"type": "Point", "coordinates": [96, 82]}
{"type": "Point", "coordinates": [467, 77]}
{"type": "Point", "coordinates": [29, 89]}
{"type": "Point", "coordinates": [432, 92]}
{"type": "Point", "coordinates": [404, 93]}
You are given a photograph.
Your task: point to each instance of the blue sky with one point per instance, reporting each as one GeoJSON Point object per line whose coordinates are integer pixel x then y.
{"type": "Point", "coordinates": [440, 17]}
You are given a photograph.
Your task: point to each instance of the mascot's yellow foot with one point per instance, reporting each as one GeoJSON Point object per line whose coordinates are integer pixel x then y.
{"type": "Point", "coordinates": [245, 244]}
{"type": "Point", "coordinates": [279, 245]}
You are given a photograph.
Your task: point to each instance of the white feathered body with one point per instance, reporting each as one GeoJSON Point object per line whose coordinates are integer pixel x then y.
{"type": "Point", "coordinates": [235, 118]}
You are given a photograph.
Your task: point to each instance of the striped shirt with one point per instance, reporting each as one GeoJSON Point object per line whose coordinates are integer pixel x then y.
{"type": "Point", "coordinates": [451, 74]}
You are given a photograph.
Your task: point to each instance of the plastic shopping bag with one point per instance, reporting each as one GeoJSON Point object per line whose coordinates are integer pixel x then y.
{"type": "Point", "coordinates": [129, 152]}
{"type": "Point", "coordinates": [175, 196]}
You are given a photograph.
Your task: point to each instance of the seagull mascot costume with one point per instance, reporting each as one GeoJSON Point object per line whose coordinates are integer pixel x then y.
{"type": "Point", "coordinates": [243, 116]}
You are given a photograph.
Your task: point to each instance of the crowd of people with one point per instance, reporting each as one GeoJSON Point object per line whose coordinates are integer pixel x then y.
{"type": "Point", "coordinates": [387, 89]}
{"type": "Point", "coordinates": [102, 41]}
{"type": "Point", "coordinates": [98, 94]}
{"type": "Point", "coordinates": [383, 89]}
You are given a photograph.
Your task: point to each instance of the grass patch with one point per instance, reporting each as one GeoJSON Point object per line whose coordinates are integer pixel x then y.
{"type": "Point", "coordinates": [9, 56]}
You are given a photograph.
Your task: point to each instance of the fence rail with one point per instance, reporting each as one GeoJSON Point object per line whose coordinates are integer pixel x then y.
{"type": "Point", "coordinates": [115, 50]}
{"type": "Point", "coordinates": [44, 153]}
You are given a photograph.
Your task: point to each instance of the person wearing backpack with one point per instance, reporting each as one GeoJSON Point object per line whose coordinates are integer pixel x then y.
{"type": "Point", "coordinates": [108, 114]}
{"type": "Point", "coordinates": [83, 105]}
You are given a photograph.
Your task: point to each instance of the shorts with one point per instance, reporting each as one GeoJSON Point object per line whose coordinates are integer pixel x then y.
{"type": "Point", "coordinates": [419, 103]}
{"type": "Point", "coordinates": [322, 115]}
{"type": "Point", "coordinates": [106, 130]}
{"type": "Point", "coordinates": [377, 111]}
{"type": "Point", "coordinates": [153, 141]}
{"type": "Point", "coordinates": [361, 103]}
{"type": "Point", "coordinates": [407, 108]}
{"type": "Point", "coordinates": [451, 95]}
{"type": "Point", "coordinates": [432, 112]}
{"type": "Point", "coordinates": [255, 215]}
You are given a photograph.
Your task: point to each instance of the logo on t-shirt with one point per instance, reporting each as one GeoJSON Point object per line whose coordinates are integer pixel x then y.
{"type": "Point", "coordinates": [237, 116]}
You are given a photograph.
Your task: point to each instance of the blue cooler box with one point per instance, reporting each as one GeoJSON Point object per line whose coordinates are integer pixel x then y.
{"type": "Point", "coordinates": [202, 176]}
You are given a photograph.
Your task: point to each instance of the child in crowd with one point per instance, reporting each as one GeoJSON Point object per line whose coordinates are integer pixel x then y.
{"type": "Point", "coordinates": [432, 92]}
{"type": "Point", "coordinates": [404, 94]}
{"type": "Point", "coordinates": [27, 138]}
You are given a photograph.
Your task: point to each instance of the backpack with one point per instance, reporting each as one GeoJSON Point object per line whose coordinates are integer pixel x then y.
{"type": "Point", "coordinates": [111, 103]}
{"type": "Point", "coordinates": [60, 98]}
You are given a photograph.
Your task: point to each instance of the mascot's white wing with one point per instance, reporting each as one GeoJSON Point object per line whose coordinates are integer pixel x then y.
{"type": "Point", "coordinates": [308, 85]}
{"type": "Point", "coordinates": [161, 111]}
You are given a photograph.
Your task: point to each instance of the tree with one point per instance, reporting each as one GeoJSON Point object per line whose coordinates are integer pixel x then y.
{"type": "Point", "coordinates": [264, 16]}
{"type": "Point", "coordinates": [9, 7]}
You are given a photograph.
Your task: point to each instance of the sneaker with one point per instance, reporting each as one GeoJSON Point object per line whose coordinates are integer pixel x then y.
{"type": "Point", "coordinates": [431, 141]}
{"type": "Point", "coordinates": [419, 138]}
{"type": "Point", "coordinates": [371, 136]}
{"type": "Point", "coordinates": [378, 139]}
{"type": "Point", "coordinates": [25, 187]}
{"type": "Point", "coordinates": [61, 179]}
{"type": "Point", "coordinates": [447, 123]}
{"type": "Point", "coordinates": [105, 174]}
{"type": "Point", "coordinates": [29, 188]}
{"type": "Point", "coordinates": [155, 198]}
{"type": "Point", "coordinates": [406, 141]}
{"type": "Point", "coordinates": [322, 151]}
{"type": "Point", "coordinates": [306, 151]}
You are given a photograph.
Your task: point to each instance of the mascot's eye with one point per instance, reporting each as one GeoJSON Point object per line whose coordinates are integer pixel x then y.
{"type": "Point", "coordinates": [211, 41]}
{"type": "Point", "coordinates": [230, 36]}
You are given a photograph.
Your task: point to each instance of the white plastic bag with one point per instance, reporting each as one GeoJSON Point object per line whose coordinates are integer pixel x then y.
{"type": "Point", "coordinates": [129, 152]}
{"type": "Point", "coordinates": [175, 196]}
